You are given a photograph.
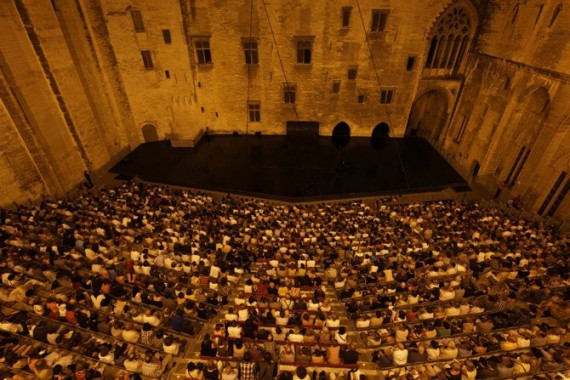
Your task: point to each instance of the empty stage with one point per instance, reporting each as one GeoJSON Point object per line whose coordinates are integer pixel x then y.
{"type": "Point", "coordinates": [296, 168]}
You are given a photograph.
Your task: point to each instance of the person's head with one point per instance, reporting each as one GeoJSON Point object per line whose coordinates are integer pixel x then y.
{"type": "Point", "coordinates": [434, 344]}
{"type": "Point", "coordinates": [301, 372]}
{"type": "Point", "coordinates": [267, 357]}
{"type": "Point", "coordinates": [247, 357]}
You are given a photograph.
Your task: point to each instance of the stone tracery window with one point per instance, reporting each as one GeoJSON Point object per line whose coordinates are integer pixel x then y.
{"type": "Point", "coordinates": [450, 39]}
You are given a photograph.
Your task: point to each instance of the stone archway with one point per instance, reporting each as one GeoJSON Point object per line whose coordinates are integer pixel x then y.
{"type": "Point", "coordinates": [341, 135]}
{"type": "Point", "coordinates": [428, 115]}
{"type": "Point", "coordinates": [150, 133]}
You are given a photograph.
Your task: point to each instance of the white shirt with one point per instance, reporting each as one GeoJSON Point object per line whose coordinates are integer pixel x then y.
{"type": "Point", "coordinates": [400, 357]}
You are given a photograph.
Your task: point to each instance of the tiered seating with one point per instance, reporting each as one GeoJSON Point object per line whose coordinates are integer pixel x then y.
{"type": "Point", "coordinates": [117, 282]}
{"type": "Point", "coordinates": [285, 327]}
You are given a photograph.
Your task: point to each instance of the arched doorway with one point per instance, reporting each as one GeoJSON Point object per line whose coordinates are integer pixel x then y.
{"type": "Point", "coordinates": [341, 135]}
{"type": "Point", "coordinates": [380, 134]}
{"type": "Point", "coordinates": [149, 133]}
{"type": "Point", "coordinates": [428, 115]}
{"type": "Point", "coordinates": [381, 130]}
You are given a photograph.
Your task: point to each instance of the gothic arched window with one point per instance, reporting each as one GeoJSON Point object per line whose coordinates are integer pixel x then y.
{"type": "Point", "coordinates": [449, 40]}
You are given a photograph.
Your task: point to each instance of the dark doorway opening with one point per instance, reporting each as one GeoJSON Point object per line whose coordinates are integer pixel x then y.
{"type": "Point", "coordinates": [380, 135]}
{"type": "Point", "coordinates": [149, 133]}
{"type": "Point", "coordinates": [341, 135]}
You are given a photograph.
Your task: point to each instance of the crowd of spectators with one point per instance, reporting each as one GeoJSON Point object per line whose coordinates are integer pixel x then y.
{"type": "Point", "coordinates": [111, 284]}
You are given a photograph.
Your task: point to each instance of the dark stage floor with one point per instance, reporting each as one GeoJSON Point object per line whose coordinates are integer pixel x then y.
{"type": "Point", "coordinates": [295, 168]}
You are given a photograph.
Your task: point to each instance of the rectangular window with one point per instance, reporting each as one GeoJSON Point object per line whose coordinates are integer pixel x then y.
{"type": "Point", "coordinates": [515, 164]}
{"type": "Point", "coordinates": [410, 63]}
{"type": "Point", "coordinates": [559, 199]}
{"type": "Point", "coordinates": [167, 74]}
{"type": "Point", "coordinates": [386, 96]}
{"type": "Point", "coordinates": [203, 52]}
{"type": "Point", "coordinates": [351, 74]}
{"type": "Point", "coordinates": [346, 11]}
{"type": "Point", "coordinates": [289, 92]}
{"type": "Point", "coordinates": [361, 99]}
{"type": "Point", "coordinates": [304, 51]}
{"type": "Point", "coordinates": [137, 21]}
{"type": "Point", "coordinates": [379, 20]}
{"type": "Point", "coordinates": [520, 168]}
{"type": "Point", "coordinates": [254, 109]}
{"type": "Point", "coordinates": [552, 191]}
{"type": "Point", "coordinates": [166, 36]}
{"type": "Point", "coordinates": [336, 86]}
{"type": "Point", "coordinates": [147, 59]}
{"type": "Point", "coordinates": [251, 53]}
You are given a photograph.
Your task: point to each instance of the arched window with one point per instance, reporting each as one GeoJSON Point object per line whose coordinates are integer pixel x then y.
{"type": "Point", "coordinates": [450, 39]}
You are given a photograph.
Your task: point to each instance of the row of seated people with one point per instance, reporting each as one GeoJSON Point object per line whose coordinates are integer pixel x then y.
{"type": "Point", "coordinates": [74, 308]}
{"type": "Point", "coordinates": [284, 318]}
{"type": "Point", "coordinates": [176, 306]}
{"type": "Point", "coordinates": [156, 289]}
{"type": "Point", "coordinates": [366, 319]}
{"type": "Point", "coordinates": [428, 329]}
{"type": "Point", "coordinates": [536, 363]}
{"type": "Point", "coordinates": [451, 347]}
{"type": "Point", "coordinates": [270, 280]}
{"type": "Point", "coordinates": [265, 284]}
{"type": "Point", "coordinates": [404, 294]}
{"type": "Point", "coordinates": [66, 347]}
{"type": "Point", "coordinates": [331, 354]}
{"type": "Point", "coordinates": [280, 334]}
{"type": "Point", "coordinates": [314, 304]}
{"type": "Point", "coordinates": [265, 369]}
{"type": "Point", "coordinates": [410, 297]}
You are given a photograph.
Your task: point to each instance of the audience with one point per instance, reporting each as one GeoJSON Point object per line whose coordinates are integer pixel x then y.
{"type": "Point", "coordinates": [124, 276]}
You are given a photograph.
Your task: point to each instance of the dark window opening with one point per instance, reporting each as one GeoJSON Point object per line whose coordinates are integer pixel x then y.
{"type": "Point", "coordinates": [147, 59]}
{"type": "Point", "coordinates": [352, 74]}
{"type": "Point", "coordinates": [515, 13]}
{"type": "Point", "coordinates": [539, 13]}
{"type": "Point", "coordinates": [304, 52]}
{"type": "Point", "coordinates": [254, 110]}
{"type": "Point", "coordinates": [203, 52]}
{"type": "Point", "coordinates": [166, 36]}
{"type": "Point", "coordinates": [336, 86]}
{"type": "Point", "coordinates": [559, 199]}
{"type": "Point", "coordinates": [137, 21]}
{"type": "Point", "coordinates": [289, 93]}
{"type": "Point", "coordinates": [555, 14]}
{"type": "Point", "coordinates": [251, 53]}
{"type": "Point", "coordinates": [379, 19]}
{"type": "Point", "coordinates": [386, 96]}
{"type": "Point", "coordinates": [552, 191]}
{"type": "Point", "coordinates": [346, 11]}
{"type": "Point", "coordinates": [410, 63]}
